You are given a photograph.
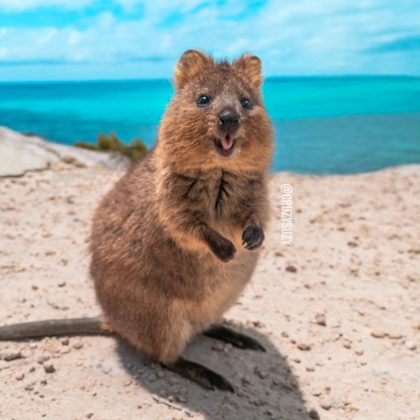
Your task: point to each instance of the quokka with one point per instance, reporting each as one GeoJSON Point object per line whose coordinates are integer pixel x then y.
{"type": "Point", "coordinates": [176, 240]}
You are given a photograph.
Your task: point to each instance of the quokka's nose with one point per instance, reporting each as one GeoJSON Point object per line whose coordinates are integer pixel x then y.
{"type": "Point", "coordinates": [228, 120]}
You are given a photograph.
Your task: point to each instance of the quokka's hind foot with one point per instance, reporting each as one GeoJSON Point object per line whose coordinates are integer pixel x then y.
{"type": "Point", "coordinates": [237, 339]}
{"type": "Point", "coordinates": [200, 375]}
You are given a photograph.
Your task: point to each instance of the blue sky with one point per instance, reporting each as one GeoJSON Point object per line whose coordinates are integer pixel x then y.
{"type": "Point", "coordinates": [118, 39]}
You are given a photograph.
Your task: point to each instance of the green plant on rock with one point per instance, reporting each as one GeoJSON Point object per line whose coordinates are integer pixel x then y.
{"type": "Point", "coordinates": [110, 142]}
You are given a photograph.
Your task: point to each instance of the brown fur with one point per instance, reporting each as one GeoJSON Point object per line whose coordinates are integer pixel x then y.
{"type": "Point", "coordinates": [166, 243]}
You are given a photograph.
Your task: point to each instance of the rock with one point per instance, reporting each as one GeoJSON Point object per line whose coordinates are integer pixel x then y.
{"type": "Point", "coordinates": [304, 346]}
{"type": "Point", "coordinates": [173, 381]}
{"type": "Point", "coordinates": [291, 269]}
{"type": "Point", "coordinates": [77, 345]}
{"type": "Point", "coordinates": [320, 319]}
{"type": "Point", "coordinates": [325, 405]}
{"type": "Point", "coordinates": [43, 358]}
{"type": "Point", "coordinates": [245, 380]}
{"type": "Point", "coordinates": [258, 324]}
{"type": "Point", "coordinates": [106, 368]}
{"type": "Point", "coordinates": [395, 336]}
{"type": "Point", "coordinates": [12, 355]}
{"type": "Point", "coordinates": [313, 414]}
{"type": "Point", "coordinates": [20, 154]}
{"type": "Point", "coordinates": [377, 334]}
{"type": "Point", "coordinates": [261, 373]}
{"type": "Point", "coordinates": [152, 377]}
{"type": "Point", "coordinates": [65, 341]}
{"type": "Point", "coordinates": [49, 368]}
{"type": "Point", "coordinates": [20, 376]}
{"type": "Point", "coordinates": [411, 345]}
{"type": "Point", "coordinates": [347, 344]}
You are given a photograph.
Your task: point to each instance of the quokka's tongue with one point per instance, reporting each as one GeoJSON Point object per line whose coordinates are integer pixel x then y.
{"type": "Point", "coordinates": [227, 142]}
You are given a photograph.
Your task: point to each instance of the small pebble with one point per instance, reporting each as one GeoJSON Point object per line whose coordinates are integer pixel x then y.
{"type": "Point", "coordinates": [77, 345]}
{"type": "Point", "coordinates": [291, 269]}
{"type": "Point", "coordinates": [245, 380]}
{"type": "Point", "coordinates": [49, 368]}
{"type": "Point", "coordinates": [173, 381]}
{"type": "Point", "coordinates": [12, 355]}
{"type": "Point", "coordinates": [43, 358]}
{"type": "Point", "coordinates": [106, 369]}
{"type": "Point", "coordinates": [65, 341]}
{"type": "Point", "coordinates": [304, 346]}
{"type": "Point", "coordinates": [313, 414]}
{"type": "Point", "coordinates": [152, 377]}
{"type": "Point", "coordinates": [347, 344]}
{"type": "Point", "coordinates": [377, 334]}
{"type": "Point", "coordinates": [310, 368]}
{"type": "Point", "coordinates": [411, 345]}
{"type": "Point", "coordinates": [325, 405]}
{"type": "Point", "coordinates": [258, 324]}
{"type": "Point", "coordinates": [20, 376]}
{"type": "Point", "coordinates": [261, 373]}
{"type": "Point", "coordinates": [320, 319]}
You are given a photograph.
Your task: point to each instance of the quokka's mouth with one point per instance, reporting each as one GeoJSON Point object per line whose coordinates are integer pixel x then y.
{"type": "Point", "coordinates": [225, 145]}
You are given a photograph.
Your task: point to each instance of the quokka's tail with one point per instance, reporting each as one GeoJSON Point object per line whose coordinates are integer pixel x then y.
{"type": "Point", "coordinates": [54, 327]}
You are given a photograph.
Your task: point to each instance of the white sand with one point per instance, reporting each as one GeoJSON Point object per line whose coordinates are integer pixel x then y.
{"type": "Point", "coordinates": [357, 254]}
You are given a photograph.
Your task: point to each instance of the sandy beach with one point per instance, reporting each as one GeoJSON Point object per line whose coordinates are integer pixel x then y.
{"type": "Point", "coordinates": [338, 310]}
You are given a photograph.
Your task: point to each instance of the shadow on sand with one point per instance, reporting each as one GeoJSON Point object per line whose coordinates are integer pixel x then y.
{"type": "Point", "coordinates": [265, 386]}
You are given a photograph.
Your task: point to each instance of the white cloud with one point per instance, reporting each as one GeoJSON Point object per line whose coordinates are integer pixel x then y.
{"type": "Point", "coordinates": [24, 5]}
{"type": "Point", "coordinates": [292, 37]}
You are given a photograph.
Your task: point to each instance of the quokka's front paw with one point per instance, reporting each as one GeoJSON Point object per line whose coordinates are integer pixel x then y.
{"type": "Point", "coordinates": [252, 237]}
{"type": "Point", "coordinates": [223, 249]}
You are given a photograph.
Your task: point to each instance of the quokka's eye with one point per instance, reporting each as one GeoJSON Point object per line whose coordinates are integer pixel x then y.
{"type": "Point", "coordinates": [203, 100]}
{"type": "Point", "coordinates": [246, 103]}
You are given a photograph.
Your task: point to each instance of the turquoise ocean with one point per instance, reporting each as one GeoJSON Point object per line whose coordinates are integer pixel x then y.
{"type": "Point", "coordinates": [323, 124]}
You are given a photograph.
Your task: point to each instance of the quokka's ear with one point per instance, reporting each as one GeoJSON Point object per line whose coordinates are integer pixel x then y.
{"type": "Point", "coordinates": [249, 67]}
{"type": "Point", "coordinates": [190, 65]}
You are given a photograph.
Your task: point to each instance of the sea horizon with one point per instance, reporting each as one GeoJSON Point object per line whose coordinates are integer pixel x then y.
{"type": "Point", "coordinates": [324, 124]}
{"type": "Point", "coordinates": [266, 78]}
